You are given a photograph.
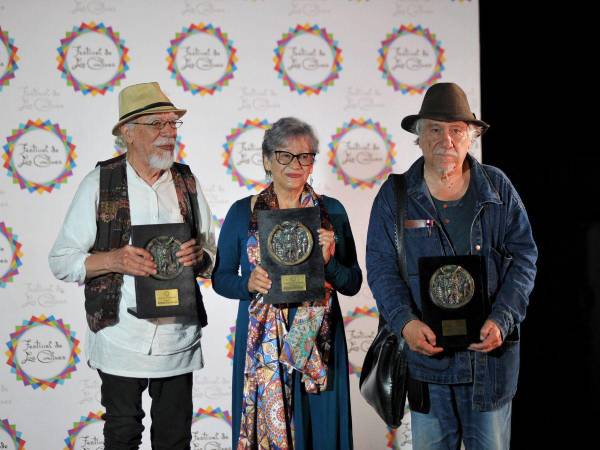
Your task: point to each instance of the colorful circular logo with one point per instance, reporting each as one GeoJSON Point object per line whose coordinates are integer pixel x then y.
{"type": "Point", "coordinates": [211, 429]}
{"type": "Point", "coordinates": [179, 149]}
{"type": "Point", "coordinates": [43, 352]}
{"type": "Point", "coordinates": [93, 58]}
{"type": "Point", "coordinates": [361, 153]}
{"type": "Point", "coordinates": [401, 437]}
{"type": "Point", "coordinates": [9, 433]}
{"type": "Point", "coordinates": [39, 156]}
{"type": "Point", "coordinates": [217, 223]}
{"type": "Point", "coordinates": [230, 346]}
{"type": "Point", "coordinates": [411, 59]}
{"type": "Point", "coordinates": [204, 282]}
{"type": "Point", "coordinates": [87, 433]}
{"type": "Point", "coordinates": [202, 59]}
{"type": "Point", "coordinates": [357, 337]}
{"type": "Point", "coordinates": [243, 154]}
{"type": "Point", "coordinates": [308, 59]}
{"type": "Point", "coordinates": [8, 59]}
{"type": "Point", "coordinates": [10, 255]}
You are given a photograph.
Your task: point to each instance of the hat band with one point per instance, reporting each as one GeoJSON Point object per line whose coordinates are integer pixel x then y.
{"type": "Point", "coordinates": [152, 105]}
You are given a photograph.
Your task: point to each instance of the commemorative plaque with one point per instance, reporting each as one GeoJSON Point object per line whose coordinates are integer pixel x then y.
{"type": "Point", "coordinates": [171, 291]}
{"type": "Point", "coordinates": [454, 300]}
{"type": "Point", "coordinates": [291, 254]}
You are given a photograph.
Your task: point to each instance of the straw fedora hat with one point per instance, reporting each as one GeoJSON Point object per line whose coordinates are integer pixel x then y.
{"type": "Point", "coordinates": [141, 99]}
{"type": "Point", "coordinates": [445, 102]}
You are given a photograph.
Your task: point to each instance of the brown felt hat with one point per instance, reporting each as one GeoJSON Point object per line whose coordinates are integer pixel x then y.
{"type": "Point", "coordinates": [445, 102]}
{"type": "Point", "coordinates": [141, 99]}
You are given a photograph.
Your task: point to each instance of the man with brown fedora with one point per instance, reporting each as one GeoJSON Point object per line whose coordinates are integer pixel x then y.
{"type": "Point", "coordinates": [144, 186]}
{"type": "Point", "coordinates": [454, 209]}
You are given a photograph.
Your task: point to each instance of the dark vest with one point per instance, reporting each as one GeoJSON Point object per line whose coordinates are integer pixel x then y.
{"type": "Point", "coordinates": [113, 220]}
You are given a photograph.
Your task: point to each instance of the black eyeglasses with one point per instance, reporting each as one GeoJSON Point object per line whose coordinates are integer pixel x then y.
{"type": "Point", "coordinates": [285, 158]}
{"type": "Point", "coordinates": [159, 124]}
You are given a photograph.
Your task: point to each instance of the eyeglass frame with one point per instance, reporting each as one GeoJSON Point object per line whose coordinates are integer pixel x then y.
{"type": "Point", "coordinates": [294, 155]}
{"type": "Point", "coordinates": [173, 124]}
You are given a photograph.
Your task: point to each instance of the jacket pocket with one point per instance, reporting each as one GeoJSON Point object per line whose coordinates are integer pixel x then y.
{"type": "Point", "coordinates": [497, 266]}
{"type": "Point", "coordinates": [420, 242]}
{"type": "Point", "coordinates": [506, 368]}
{"type": "Point", "coordinates": [436, 363]}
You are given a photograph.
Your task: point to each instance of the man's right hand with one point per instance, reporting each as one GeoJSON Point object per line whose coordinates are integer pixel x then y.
{"type": "Point", "coordinates": [127, 260]}
{"type": "Point", "coordinates": [420, 338]}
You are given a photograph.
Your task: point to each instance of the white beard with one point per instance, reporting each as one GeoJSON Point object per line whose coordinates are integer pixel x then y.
{"type": "Point", "coordinates": [161, 161]}
{"type": "Point", "coordinates": [444, 172]}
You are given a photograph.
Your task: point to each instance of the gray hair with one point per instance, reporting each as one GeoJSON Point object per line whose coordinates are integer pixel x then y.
{"type": "Point", "coordinates": [474, 131]}
{"type": "Point", "coordinates": [281, 132]}
{"type": "Point", "coordinates": [120, 141]}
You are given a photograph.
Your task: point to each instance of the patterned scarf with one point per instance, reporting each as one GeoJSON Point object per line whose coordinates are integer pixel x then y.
{"type": "Point", "coordinates": [274, 349]}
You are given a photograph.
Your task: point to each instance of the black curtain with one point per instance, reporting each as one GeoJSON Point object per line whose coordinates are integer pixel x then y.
{"type": "Point", "coordinates": [525, 78]}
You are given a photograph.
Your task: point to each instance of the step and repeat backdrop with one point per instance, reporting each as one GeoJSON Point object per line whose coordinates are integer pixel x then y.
{"type": "Point", "coordinates": [351, 68]}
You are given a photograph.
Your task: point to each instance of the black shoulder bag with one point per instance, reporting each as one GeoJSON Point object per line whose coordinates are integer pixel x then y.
{"type": "Point", "coordinates": [384, 380]}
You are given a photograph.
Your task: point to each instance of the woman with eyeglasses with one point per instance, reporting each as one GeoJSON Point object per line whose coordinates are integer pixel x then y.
{"type": "Point", "coordinates": [290, 366]}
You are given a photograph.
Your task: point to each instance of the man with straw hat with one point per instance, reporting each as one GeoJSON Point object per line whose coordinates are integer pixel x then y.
{"type": "Point", "coordinates": [142, 186]}
{"type": "Point", "coordinates": [454, 206]}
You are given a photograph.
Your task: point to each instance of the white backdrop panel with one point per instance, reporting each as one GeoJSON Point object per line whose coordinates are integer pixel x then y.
{"type": "Point", "coordinates": [350, 68]}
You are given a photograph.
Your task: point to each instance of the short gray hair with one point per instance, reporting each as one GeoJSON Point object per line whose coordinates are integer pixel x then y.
{"type": "Point", "coordinates": [473, 130]}
{"type": "Point", "coordinates": [284, 130]}
{"type": "Point", "coordinates": [119, 139]}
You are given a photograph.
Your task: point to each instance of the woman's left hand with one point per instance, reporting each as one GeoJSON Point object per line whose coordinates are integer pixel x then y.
{"type": "Point", "coordinates": [327, 242]}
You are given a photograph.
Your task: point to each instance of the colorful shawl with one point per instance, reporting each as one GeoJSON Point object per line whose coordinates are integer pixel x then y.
{"type": "Point", "coordinates": [275, 349]}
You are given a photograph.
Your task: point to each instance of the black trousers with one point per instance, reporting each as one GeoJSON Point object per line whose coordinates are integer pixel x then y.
{"type": "Point", "coordinates": [171, 411]}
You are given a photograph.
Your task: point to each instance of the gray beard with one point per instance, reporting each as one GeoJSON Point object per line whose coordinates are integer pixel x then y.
{"type": "Point", "coordinates": [446, 171]}
{"type": "Point", "coordinates": [160, 161]}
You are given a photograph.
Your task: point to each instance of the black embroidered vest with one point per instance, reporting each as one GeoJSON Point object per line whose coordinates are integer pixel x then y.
{"type": "Point", "coordinates": [113, 220]}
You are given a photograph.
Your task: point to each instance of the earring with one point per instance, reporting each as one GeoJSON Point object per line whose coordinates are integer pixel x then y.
{"type": "Point", "coordinates": [268, 175]}
{"type": "Point", "coordinates": [310, 180]}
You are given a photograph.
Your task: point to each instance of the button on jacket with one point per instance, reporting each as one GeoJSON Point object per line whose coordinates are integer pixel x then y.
{"type": "Point", "coordinates": [501, 233]}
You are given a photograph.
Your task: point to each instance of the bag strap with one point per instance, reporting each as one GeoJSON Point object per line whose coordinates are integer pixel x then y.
{"type": "Point", "coordinates": [399, 181]}
{"type": "Point", "coordinates": [418, 393]}
{"type": "Point", "coordinates": [399, 186]}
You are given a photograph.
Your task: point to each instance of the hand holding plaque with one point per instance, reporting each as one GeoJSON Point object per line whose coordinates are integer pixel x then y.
{"type": "Point", "coordinates": [454, 300]}
{"type": "Point", "coordinates": [171, 290]}
{"type": "Point", "coordinates": [290, 253]}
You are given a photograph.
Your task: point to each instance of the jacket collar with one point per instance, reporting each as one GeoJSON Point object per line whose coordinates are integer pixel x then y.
{"type": "Point", "coordinates": [417, 189]}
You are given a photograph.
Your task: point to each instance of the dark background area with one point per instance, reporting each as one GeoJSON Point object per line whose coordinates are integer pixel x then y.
{"type": "Point", "coordinates": [525, 79]}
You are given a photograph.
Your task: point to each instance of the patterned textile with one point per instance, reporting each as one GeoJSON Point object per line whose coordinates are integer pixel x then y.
{"type": "Point", "coordinates": [113, 221]}
{"type": "Point", "coordinates": [275, 349]}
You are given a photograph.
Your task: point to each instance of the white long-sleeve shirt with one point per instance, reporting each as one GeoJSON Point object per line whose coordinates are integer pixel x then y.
{"type": "Point", "coordinates": [133, 347]}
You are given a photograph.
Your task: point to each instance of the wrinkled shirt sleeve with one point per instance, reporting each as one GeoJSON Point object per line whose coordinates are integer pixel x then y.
{"type": "Point", "coordinates": [78, 233]}
{"type": "Point", "coordinates": [519, 256]}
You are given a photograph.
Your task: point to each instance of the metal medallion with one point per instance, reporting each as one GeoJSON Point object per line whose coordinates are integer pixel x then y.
{"type": "Point", "coordinates": [290, 243]}
{"type": "Point", "coordinates": [451, 287]}
{"type": "Point", "coordinates": [163, 249]}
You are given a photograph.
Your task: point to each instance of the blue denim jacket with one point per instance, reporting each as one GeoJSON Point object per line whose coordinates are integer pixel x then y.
{"type": "Point", "coordinates": [501, 233]}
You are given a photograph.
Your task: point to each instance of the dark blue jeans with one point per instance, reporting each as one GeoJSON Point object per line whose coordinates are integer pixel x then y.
{"type": "Point", "coordinates": [171, 411]}
{"type": "Point", "coordinates": [452, 419]}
